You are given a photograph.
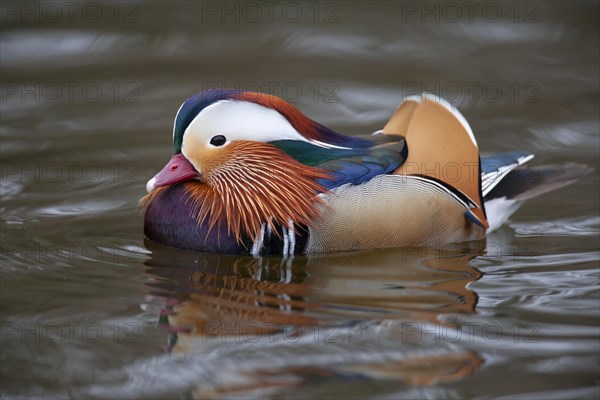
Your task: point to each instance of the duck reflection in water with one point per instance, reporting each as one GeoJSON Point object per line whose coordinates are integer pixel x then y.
{"type": "Point", "coordinates": [365, 315]}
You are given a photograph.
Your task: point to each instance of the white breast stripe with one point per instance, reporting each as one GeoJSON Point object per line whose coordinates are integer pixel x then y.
{"type": "Point", "coordinates": [258, 242]}
{"type": "Point", "coordinates": [286, 241]}
{"type": "Point", "coordinates": [292, 235]}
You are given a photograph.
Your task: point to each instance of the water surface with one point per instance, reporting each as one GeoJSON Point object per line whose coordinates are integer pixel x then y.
{"type": "Point", "coordinates": [91, 310]}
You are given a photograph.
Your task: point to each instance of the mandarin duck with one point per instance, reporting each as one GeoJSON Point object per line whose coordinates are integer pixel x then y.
{"type": "Point", "coordinates": [251, 174]}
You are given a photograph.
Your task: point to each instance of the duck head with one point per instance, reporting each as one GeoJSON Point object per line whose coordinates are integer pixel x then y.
{"type": "Point", "coordinates": [231, 150]}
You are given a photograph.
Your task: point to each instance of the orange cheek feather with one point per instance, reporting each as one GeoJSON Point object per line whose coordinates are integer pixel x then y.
{"type": "Point", "coordinates": [247, 183]}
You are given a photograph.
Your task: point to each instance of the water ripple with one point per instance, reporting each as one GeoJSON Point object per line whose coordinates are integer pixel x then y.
{"type": "Point", "coordinates": [580, 226]}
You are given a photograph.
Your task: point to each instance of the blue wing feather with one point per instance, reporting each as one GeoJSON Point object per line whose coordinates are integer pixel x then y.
{"type": "Point", "coordinates": [353, 165]}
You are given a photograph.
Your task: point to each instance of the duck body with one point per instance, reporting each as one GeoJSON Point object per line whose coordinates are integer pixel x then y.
{"type": "Point", "coordinates": [251, 174]}
{"type": "Point", "coordinates": [352, 218]}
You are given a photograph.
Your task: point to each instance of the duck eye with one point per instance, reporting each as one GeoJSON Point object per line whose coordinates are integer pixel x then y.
{"type": "Point", "coordinates": [218, 140]}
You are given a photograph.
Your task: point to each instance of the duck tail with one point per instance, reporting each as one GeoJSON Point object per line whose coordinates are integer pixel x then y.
{"type": "Point", "coordinates": [525, 182]}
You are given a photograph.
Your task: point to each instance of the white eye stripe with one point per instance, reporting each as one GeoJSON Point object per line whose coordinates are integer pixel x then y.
{"type": "Point", "coordinates": [241, 120]}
